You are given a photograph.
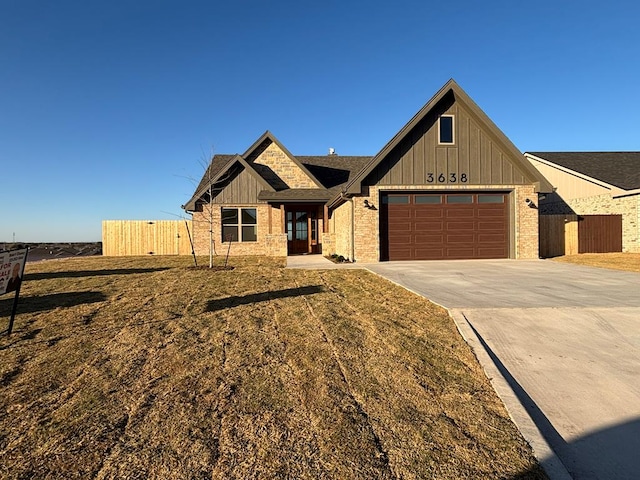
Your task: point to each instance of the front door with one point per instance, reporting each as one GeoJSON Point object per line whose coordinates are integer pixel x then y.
{"type": "Point", "coordinates": [302, 230]}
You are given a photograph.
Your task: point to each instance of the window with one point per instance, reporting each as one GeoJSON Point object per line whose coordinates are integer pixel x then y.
{"type": "Point", "coordinates": [445, 129]}
{"type": "Point", "coordinates": [241, 221]}
{"type": "Point", "coordinates": [490, 198]}
{"type": "Point", "coordinates": [460, 199]}
{"type": "Point", "coordinates": [432, 199]}
{"type": "Point", "coordinates": [396, 199]}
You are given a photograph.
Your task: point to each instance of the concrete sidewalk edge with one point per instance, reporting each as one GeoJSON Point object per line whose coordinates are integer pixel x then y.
{"type": "Point", "coordinates": [547, 458]}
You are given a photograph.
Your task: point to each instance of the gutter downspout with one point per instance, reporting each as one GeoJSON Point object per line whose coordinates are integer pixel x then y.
{"type": "Point", "coordinates": [353, 230]}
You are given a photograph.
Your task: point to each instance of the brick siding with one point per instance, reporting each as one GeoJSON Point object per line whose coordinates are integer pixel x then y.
{"type": "Point", "coordinates": [268, 243]}
{"type": "Point", "coordinates": [526, 228]}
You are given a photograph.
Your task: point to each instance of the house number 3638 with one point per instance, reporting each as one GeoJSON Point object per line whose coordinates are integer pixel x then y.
{"type": "Point", "coordinates": [442, 178]}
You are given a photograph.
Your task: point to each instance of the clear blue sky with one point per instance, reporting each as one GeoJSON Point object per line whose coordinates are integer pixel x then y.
{"type": "Point", "coordinates": [107, 106]}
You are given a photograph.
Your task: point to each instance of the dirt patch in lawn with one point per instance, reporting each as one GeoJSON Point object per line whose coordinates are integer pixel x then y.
{"type": "Point", "coordinates": [142, 368]}
{"type": "Point", "coordinates": [629, 262]}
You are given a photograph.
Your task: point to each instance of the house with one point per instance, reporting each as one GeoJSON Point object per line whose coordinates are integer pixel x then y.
{"type": "Point", "coordinates": [448, 185]}
{"type": "Point", "coordinates": [594, 183]}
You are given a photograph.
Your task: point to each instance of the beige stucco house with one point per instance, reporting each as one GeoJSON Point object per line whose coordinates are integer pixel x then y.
{"type": "Point", "coordinates": [448, 185]}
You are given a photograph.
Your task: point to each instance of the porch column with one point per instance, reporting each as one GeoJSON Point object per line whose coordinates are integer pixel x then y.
{"type": "Point", "coordinates": [325, 219]}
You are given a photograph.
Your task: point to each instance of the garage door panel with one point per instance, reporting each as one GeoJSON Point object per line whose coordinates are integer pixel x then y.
{"type": "Point", "coordinates": [460, 252]}
{"type": "Point", "coordinates": [459, 211]}
{"type": "Point", "coordinates": [400, 225]}
{"type": "Point", "coordinates": [490, 212]}
{"type": "Point", "coordinates": [400, 239]}
{"type": "Point", "coordinates": [494, 226]}
{"type": "Point", "coordinates": [457, 226]}
{"type": "Point", "coordinates": [400, 212]}
{"type": "Point", "coordinates": [491, 238]}
{"type": "Point", "coordinates": [429, 253]}
{"type": "Point", "coordinates": [423, 226]}
{"type": "Point", "coordinates": [401, 254]}
{"type": "Point", "coordinates": [428, 239]}
{"type": "Point", "coordinates": [488, 252]}
{"type": "Point", "coordinates": [429, 211]}
{"type": "Point", "coordinates": [466, 238]}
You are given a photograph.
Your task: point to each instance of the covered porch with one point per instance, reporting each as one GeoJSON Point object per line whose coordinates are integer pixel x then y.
{"type": "Point", "coordinates": [304, 225]}
{"type": "Point", "coordinates": [304, 217]}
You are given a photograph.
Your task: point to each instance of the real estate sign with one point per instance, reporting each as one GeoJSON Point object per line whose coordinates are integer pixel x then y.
{"type": "Point", "coordinates": [11, 270]}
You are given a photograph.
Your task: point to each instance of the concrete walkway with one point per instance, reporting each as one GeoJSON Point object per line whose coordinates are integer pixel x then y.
{"type": "Point", "coordinates": [561, 345]}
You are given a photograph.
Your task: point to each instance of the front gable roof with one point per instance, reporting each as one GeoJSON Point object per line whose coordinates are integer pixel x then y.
{"type": "Point", "coordinates": [216, 172]}
{"type": "Point", "coordinates": [354, 185]}
{"type": "Point", "coordinates": [329, 173]}
{"type": "Point", "coordinates": [616, 169]}
{"type": "Point", "coordinates": [259, 145]}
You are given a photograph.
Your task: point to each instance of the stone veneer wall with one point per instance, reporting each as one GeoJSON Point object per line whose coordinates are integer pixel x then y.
{"type": "Point", "coordinates": [628, 207]}
{"type": "Point", "coordinates": [328, 242]}
{"type": "Point", "coordinates": [274, 158]}
{"type": "Point", "coordinates": [340, 226]}
{"type": "Point", "coordinates": [367, 231]}
{"type": "Point", "coordinates": [268, 243]}
{"type": "Point", "coordinates": [526, 227]}
{"type": "Point", "coordinates": [276, 245]}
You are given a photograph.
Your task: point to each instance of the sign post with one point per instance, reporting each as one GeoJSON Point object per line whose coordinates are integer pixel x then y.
{"type": "Point", "coordinates": [11, 272]}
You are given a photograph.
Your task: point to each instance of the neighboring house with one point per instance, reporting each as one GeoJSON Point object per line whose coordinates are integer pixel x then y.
{"type": "Point", "coordinates": [448, 185]}
{"type": "Point", "coordinates": [594, 183]}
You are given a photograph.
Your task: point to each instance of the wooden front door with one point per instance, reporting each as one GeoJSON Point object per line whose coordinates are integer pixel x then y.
{"type": "Point", "coordinates": [302, 230]}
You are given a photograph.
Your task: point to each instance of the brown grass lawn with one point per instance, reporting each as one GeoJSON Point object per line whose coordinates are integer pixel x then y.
{"type": "Point", "coordinates": [145, 368]}
{"type": "Point", "coordinates": [617, 261]}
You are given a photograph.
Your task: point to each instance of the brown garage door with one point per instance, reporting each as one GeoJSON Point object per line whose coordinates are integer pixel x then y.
{"type": "Point", "coordinates": [427, 226]}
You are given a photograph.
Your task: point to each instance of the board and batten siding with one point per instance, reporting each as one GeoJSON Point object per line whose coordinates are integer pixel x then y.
{"type": "Point", "coordinates": [476, 157]}
{"type": "Point", "coordinates": [146, 237]}
{"type": "Point", "coordinates": [243, 189]}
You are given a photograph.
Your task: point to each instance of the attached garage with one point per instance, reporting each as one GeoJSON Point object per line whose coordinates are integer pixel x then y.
{"type": "Point", "coordinates": [448, 225]}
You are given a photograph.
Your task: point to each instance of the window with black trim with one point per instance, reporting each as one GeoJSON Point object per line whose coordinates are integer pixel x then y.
{"type": "Point", "coordinates": [445, 130]}
{"type": "Point", "coordinates": [239, 225]}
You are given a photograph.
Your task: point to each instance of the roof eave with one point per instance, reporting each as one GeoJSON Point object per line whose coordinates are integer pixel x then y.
{"type": "Point", "coordinates": [570, 171]}
{"type": "Point", "coordinates": [625, 193]}
{"type": "Point", "coordinates": [190, 206]}
{"type": "Point", "coordinates": [338, 199]}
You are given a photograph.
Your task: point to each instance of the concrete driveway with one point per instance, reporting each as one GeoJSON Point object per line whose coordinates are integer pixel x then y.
{"type": "Point", "coordinates": [561, 345]}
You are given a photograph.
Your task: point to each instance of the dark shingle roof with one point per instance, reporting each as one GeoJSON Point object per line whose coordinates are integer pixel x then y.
{"type": "Point", "coordinates": [217, 165]}
{"type": "Point", "coordinates": [621, 169]}
{"type": "Point", "coordinates": [333, 171]}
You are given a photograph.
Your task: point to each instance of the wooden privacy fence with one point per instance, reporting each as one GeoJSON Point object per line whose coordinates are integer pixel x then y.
{"type": "Point", "coordinates": [146, 237]}
{"type": "Point", "coordinates": [599, 233]}
{"type": "Point", "coordinates": [572, 234]}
